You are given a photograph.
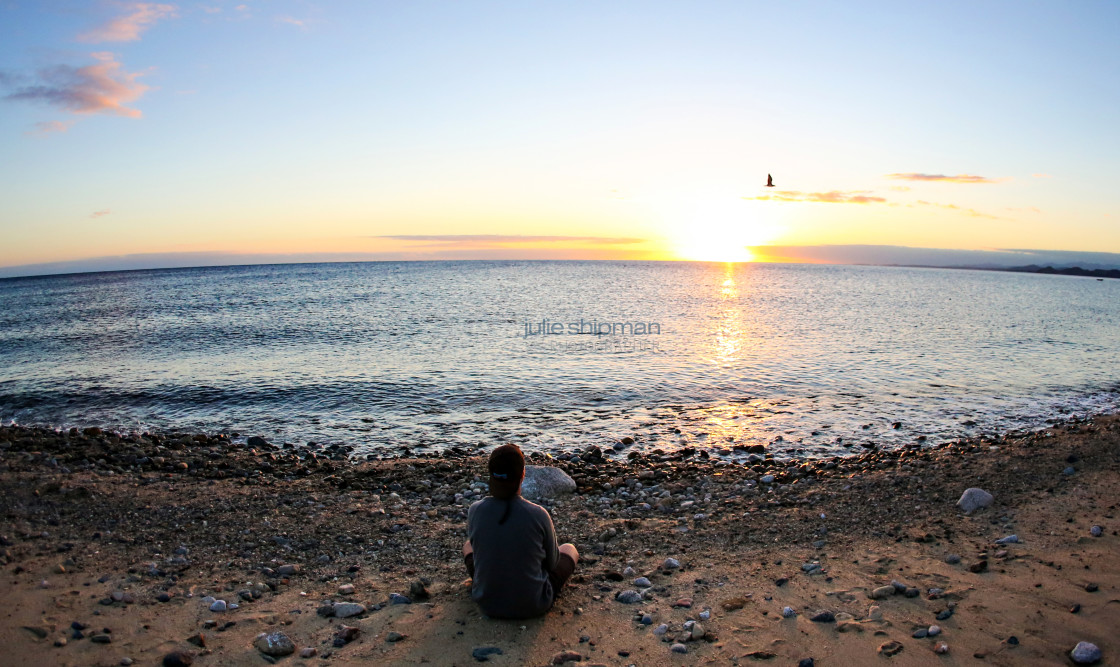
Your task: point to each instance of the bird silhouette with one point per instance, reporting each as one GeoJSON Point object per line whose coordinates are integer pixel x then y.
{"type": "Point", "coordinates": [769, 181]}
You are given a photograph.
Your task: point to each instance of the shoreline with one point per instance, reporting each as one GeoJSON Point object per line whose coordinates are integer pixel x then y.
{"type": "Point", "coordinates": [105, 519]}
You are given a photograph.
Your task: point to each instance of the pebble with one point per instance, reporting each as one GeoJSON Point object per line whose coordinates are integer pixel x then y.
{"type": "Point", "coordinates": [218, 605]}
{"type": "Point", "coordinates": [944, 614]}
{"type": "Point", "coordinates": [1010, 539]}
{"type": "Point", "coordinates": [1085, 653]}
{"type": "Point", "coordinates": [1091, 588]}
{"type": "Point", "coordinates": [678, 648]}
{"type": "Point", "coordinates": [683, 602]}
{"type": "Point", "coordinates": [647, 619]}
{"type": "Point", "coordinates": [274, 644]}
{"type": "Point", "coordinates": [309, 652]}
{"type": "Point", "coordinates": [628, 597]}
{"type": "Point", "coordinates": [397, 598]}
{"type": "Point", "coordinates": [705, 615]}
{"type": "Point", "coordinates": [788, 612]}
{"type": "Point", "coordinates": [973, 499]}
{"type": "Point", "coordinates": [875, 613]}
{"type": "Point", "coordinates": [920, 633]}
{"type": "Point", "coordinates": [953, 559]}
{"type": "Point", "coordinates": [881, 592]}
{"type": "Point", "coordinates": [126, 661]}
{"type": "Point", "coordinates": [1096, 531]}
{"type": "Point", "coordinates": [348, 609]}
{"type": "Point", "coordinates": [483, 653]}
{"type": "Point", "coordinates": [767, 479]}
{"type": "Point", "coordinates": [806, 662]}
{"type": "Point", "coordinates": [288, 569]}
{"type": "Point", "coordinates": [941, 649]}
{"type": "Point", "coordinates": [670, 564]}
{"type": "Point", "coordinates": [346, 589]}
{"type": "Point", "coordinates": [661, 629]}
{"type": "Point", "coordinates": [934, 630]}
{"type": "Point", "coordinates": [101, 638]}
{"type": "Point", "coordinates": [823, 617]}
{"type": "Point", "coordinates": [178, 659]}
{"type": "Point", "coordinates": [565, 656]}
{"type": "Point", "coordinates": [642, 582]}
{"type": "Point", "coordinates": [1069, 470]}
{"type": "Point", "coordinates": [394, 637]}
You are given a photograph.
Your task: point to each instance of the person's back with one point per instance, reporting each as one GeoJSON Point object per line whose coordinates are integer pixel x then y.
{"type": "Point", "coordinates": [512, 559]}
{"type": "Point", "coordinates": [511, 547]}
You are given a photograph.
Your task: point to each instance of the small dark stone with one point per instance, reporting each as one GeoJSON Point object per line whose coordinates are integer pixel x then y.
{"type": "Point", "coordinates": [781, 582]}
{"type": "Point", "coordinates": [178, 659]}
{"type": "Point", "coordinates": [806, 662]}
{"type": "Point", "coordinates": [1013, 640]}
{"type": "Point", "coordinates": [1091, 588]}
{"type": "Point", "coordinates": [483, 653]}
{"type": "Point", "coordinates": [920, 633]}
{"type": "Point", "coordinates": [1075, 608]}
{"type": "Point", "coordinates": [823, 617]}
{"type": "Point", "coordinates": [944, 614]}
{"type": "Point", "coordinates": [979, 566]}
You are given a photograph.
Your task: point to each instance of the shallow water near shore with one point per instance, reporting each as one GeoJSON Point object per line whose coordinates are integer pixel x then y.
{"type": "Point", "coordinates": [809, 360]}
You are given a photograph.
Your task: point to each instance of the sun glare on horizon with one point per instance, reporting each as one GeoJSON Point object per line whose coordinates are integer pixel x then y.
{"type": "Point", "coordinates": [720, 231]}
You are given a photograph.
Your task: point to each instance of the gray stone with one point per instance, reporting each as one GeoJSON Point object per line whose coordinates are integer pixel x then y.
{"type": "Point", "coordinates": [642, 582]}
{"type": "Point", "coordinates": [219, 605]}
{"type": "Point", "coordinates": [953, 559]}
{"type": "Point", "coordinates": [274, 644]}
{"type": "Point", "coordinates": [483, 653]}
{"type": "Point", "coordinates": [1096, 531]}
{"type": "Point", "coordinates": [934, 630]}
{"type": "Point", "coordinates": [881, 592]}
{"type": "Point", "coordinates": [788, 612]}
{"type": "Point", "coordinates": [767, 479]}
{"type": "Point", "coordinates": [348, 609]}
{"type": "Point", "coordinates": [661, 629]}
{"type": "Point", "coordinates": [678, 648]}
{"type": "Point", "coordinates": [545, 482]}
{"type": "Point", "coordinates": [823, 617]}
{"type": "Point", "coordinates": [973, 499]}
{"type": "Point", "coordinates": [256, 441]}
{"type": "Point", "coordinates": [1010, 539]}
{"type": "Point", "coordinates": [670, 564]}
{"type": "Point", "coordinates": [1085, 653]}
{"type": "Point", "coordinates": [628, 597]}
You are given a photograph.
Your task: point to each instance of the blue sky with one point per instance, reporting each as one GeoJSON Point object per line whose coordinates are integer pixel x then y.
{"type": "Point", "coordinates": [299, 127]}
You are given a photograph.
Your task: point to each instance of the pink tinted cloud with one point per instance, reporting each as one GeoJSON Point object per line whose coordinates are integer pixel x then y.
{"type": "Point", "coordinates": [100, 88]}
{"type": "Point", "coordinates": [50, 127]}
{"type": "Point", "coordinates": [959, 178]}
{"type": "Point", "coordinates": [830, 197]}
{"type": "Point", "coordinates": [98, 214]}
{"type": "Point", "coordinates": [138, 17]}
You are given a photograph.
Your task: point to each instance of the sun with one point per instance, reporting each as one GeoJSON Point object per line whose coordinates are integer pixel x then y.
{"type": "Point", "coordinates": [719, 230]}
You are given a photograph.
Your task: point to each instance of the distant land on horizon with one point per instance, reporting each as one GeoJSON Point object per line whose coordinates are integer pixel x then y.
{"type": "Point", "coordinates": [1063, 262]}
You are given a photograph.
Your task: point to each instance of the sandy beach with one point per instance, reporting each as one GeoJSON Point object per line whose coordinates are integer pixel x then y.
{"type": "Point", "coordinates": [115, 547]}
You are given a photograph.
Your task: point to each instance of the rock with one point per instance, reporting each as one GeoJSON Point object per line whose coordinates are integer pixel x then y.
{"type": "Point", "coordinates": [945, 614]}
{"type": "Point", "coordinates": [126, 661]}
{"type": "Point", "coordinates": [326, 610]}
{"type": "Point", "coordinates": [628, 597]}
{"type": "Point", "coordinates": [670, 564]}
{"type": "Point", "coordinates": [309, 652]}
{"type": "Point", "coordinates": [274, 644]}
{"type": "Point", "coordinates": [1096, 531]}
{"type": "Point", "coordinates": [642, 582]}
{"type": "Point", "coordinates": [1069, 470]}
{"type": "Point", "coordinates": [978, 566]}
{"type": "Point", "coordinates": [685, 603]}
{"type": "Point", "coordinates": [734, 604]}
{"type": "Point", "coordinates": [920, 633]}
{"type": "Point", "coordinates": [973, 499]}
{"type": "Point", "coordinates": [875, 613]}
{"type": "Point", "coordinates": [661, 629]}
{"type": "Point", "coordinates": [697, 631]}
{"type": "Point", "coordinates": [218, 605]}
{"type": "Point", "coordinates": [256, 441]}
{"type": "Point", "coordinates": [788, 612]}
{"type": "Point", "coordinates": [678, 648]}
{"type": "Point", "coordinates": [346, 634]}
{"type": "Point", "coordinates": [417, 590]}
{"type": "Point", "coordinates": [881, 592]}
{"type": "Point", "coordinates": [346, 589]}
{"type": "Point", "coordinates": [766, 479]}
{"type": "Point", "coordinates": [348, 609]}
{"type": "Point", "coordinates": [933, 631]}
{"type": "Point", "coordinates": [823, 617]}
{"type": "Point", "coordinates": [953, 559]}
{"type": "Point", "coordinates": [646, 619]}
{"type": "Point", "coordinates": [285, 570]}
{"type": "Point", "coordinates": [565, 656]}
{"type": "Point", "coordinates": [178, 659]}
{"type": "Point", "coordinates": [197, 639]}
{"type": "Point", "coordinates": [397, 598]}
{"type": "Point", "coordinates": [1092, 588]}
{"type": "Point", "coordinates": [705, 615]}
{"type": "Point", "coordinates": [394, 637]}
{"type": "Point", "coordinates": [1010, 539]}
{"type": "Point", "coordinates": [806, 662]}
{"type": "Point", "coordinates": [546, 482]}
{"type": "Point", "coordinates": [483, 653]}
{"type": "Point", "coordinates": [891, 648]}
{"type": "Point", "coordinates": [941, 649]}
{"type": "Point", "coordinates": [1085, 654]}
{"type": "Point", "coordinates": [102, 638]}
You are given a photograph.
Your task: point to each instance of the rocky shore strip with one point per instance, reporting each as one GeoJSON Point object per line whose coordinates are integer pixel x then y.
{"type": "Point", "coordinates": [207, 549]}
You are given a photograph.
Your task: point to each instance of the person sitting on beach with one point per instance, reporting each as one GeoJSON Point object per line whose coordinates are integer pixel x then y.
{"type": "Point", "coordinates": [511, 550]}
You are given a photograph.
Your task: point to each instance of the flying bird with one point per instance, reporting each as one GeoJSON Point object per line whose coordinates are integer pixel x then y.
{"type": "Point", "coordinates": [769, 181]}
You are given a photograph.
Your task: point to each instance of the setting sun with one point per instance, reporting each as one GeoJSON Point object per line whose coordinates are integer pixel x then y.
{"type": "Point", "coordinates": [720, 230]}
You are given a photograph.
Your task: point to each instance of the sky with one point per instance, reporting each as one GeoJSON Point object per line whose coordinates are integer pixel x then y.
{"type": "Point", "coordinates": [181, 132]}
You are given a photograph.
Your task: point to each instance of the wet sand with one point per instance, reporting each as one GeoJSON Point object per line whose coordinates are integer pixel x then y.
{"type": "Point", "coordinates": [98, 528]}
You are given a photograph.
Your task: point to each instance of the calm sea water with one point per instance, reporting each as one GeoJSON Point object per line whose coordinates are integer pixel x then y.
{"type": "Point", "coordinates": [808, 359]}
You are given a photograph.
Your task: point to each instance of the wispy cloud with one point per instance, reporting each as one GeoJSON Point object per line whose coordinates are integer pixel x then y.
{"type": "Point", "coordinates": [292, 21]}
{"type": "Point", "coordinates": [967, 211]}
{"type": "Point", "coordinates": [101, 88]}
{"type": "Point", "coordinates": [99, 214]}
{"type": "Point", "coordinates": [959, 178]}
{"type": "Point", "coordinates": [137, 17]}
{"type": "Point", "coordinates": [477, 240]}
{"type": "Point", "coordinates": [50, 127]}
{"type": "Point", "coordinates": [830, 197]}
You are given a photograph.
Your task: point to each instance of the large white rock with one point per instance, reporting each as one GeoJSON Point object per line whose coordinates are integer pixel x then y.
{"type": "Point", "coordinates": [543, 482]}
{"type": "Point", "coordinates": [973, 499]}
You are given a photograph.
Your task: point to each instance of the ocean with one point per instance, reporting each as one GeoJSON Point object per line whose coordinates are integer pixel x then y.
{"type": "Point", "coordinates": [809, 360]}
